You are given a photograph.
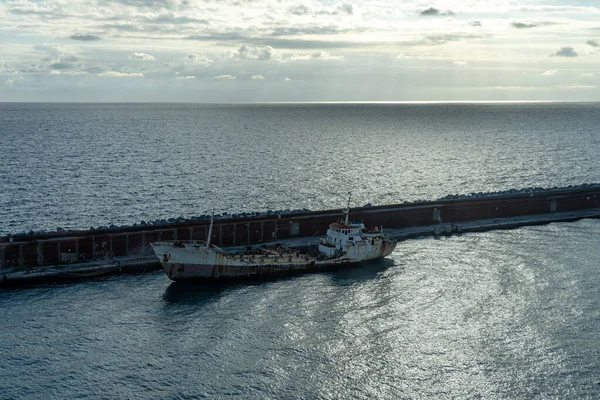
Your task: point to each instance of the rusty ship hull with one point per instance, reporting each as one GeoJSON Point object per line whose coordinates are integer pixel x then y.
{"type": "Point", "coordinates": [193, 261]}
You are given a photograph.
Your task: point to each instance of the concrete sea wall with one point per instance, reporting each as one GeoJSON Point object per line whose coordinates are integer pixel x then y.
{"type": "Point", "coordinates": [58, 255]}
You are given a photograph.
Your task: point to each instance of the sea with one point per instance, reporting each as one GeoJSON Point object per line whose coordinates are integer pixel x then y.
{"type": "Point", "coordinates": [505, 314]}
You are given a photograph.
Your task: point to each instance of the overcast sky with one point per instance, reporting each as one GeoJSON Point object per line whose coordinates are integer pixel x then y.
{"type": "Point", "coordinates": [300, 50]}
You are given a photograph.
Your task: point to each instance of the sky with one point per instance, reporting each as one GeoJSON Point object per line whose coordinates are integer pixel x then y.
{"type": "Point", "coordinates": [302, 50]}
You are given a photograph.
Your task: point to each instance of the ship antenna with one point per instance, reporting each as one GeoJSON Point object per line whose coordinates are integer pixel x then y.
{"type": "Point", "coordinates": [212, 218]}
{"type": "Point", "coordinates": [348, 209]}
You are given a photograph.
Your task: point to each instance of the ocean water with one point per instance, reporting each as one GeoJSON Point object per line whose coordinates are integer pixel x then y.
{"type": "Point", "coordinates": [80, 165]}
{"type": "Point", "coordinates": [497, 315]}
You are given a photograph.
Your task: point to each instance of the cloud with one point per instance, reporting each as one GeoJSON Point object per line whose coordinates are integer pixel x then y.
{"type": "Point", "coordinates": [550, 72]}
{"type": "Point", "coordinates": [577, 86]}
{"type": "Point", "coordinates": [245, 37]}
{"type": "Point", "coordinates": [522, 25]}
{"type": "Point", "coordinates": [300, 10]}
{"type": "Point", "coordinates": [55, 63]}
{"type": "Point", "coordinates": [508, 88]}
{"type": "Point", "coordinates": [290, 37]}
{"type": "Point", "coordinates": [166, 4]}
{"type": "Point", "coordinates": [196, 59]}
{"type": "Point", "coordinates": [557, 9]}
{"type": "Point", "coordinates": [96, 69]}
{"type": "Point", "coordinates": [221, 36]}
{"type": "Point", "coordinates": [319, 55]}
{"type": "Point", "coordinates": [532, 24]}
{"type": "Point", "coordinates": [62, 65]}
{"type": "Point", "coordinates": [246, 52]}
{"type": "Point", "coordinates": [309, 30]}
{"type": "Point", "coordinates": [344, 9]}
{"type": "Point", "coordinates": [323, 55]}
{"type": "Point", "coordinates": [8, 69]}
{"type": "Point", "coordinates": [567, 51]}
{"type": "Point", "coordinates": [141, 57]}
{"type": "Point", "coordinates": [434, 12]}
{"type": "Point", "coordinates": [122, 74]}
{"type": "Point", "coordinates": [286, 79]}
{"type": "Point", "coordinates": [71, 72]}
{"type": "Point", "coordinates": [170, 18]}
{"type": "Point", "coordinates": [435, 40]}
{"type": "Point", "coordinates": [123, 27]}
{"type": "Point", "coordinates": [51, 9]}
{"type": "Point", "coordinates": [53, 49]}
{"type": "Point", "coordinates": [85, 38]}
{"type": "Point", "coordinates": [224, 77]}
{"type": "Point", "coordinates": [310, 44]}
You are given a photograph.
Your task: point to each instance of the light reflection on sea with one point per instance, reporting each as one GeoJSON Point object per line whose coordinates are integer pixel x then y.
{"type": "Point", "coordinates": [495, 315]}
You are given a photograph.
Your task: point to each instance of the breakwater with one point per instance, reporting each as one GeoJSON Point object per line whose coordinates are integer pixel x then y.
{"type": "Point", "coordinates": [71, 254]}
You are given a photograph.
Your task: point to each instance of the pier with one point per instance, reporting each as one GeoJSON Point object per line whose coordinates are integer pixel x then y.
{"type": "Point", "coordinates": [41, 257]}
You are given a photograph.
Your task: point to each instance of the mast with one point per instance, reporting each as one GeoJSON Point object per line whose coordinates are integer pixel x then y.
{"type": "Point", "coordinates": [348, 209]}
{"type": "Point", "coordinates": [212, 217]}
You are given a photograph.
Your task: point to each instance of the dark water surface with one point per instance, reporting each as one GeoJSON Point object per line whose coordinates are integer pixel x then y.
{"type": "Point", "coordinates": [496, 315]}
{"type": "Point", "coordinates": [82, 165]}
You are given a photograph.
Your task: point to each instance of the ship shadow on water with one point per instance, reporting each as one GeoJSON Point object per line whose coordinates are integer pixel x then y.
{"type": "Point", "coordinates": [206, 292]}
{"type": "Point", "coordinates": [199, 292]}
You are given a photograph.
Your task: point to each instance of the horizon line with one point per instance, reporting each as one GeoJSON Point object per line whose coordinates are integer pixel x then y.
{"type": "Point", "coordinates": [310, 102]}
